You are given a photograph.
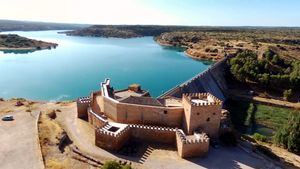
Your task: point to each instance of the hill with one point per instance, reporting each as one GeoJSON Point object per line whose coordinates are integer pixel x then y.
{"type": "Point", "coordinates": [12, 25]}
{"type": "Point", "coordinates": [12, 42]}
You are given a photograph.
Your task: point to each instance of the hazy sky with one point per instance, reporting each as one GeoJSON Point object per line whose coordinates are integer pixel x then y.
{"type": "Point", "coordinates": [163, 12]}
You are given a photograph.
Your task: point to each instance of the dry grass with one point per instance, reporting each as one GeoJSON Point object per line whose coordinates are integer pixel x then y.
{"type": "Point", "coordinates": [50, 133]}
{"type": "Point", "coordinates": [56, 164]}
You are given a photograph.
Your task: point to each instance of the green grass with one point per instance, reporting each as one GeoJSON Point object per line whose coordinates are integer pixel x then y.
{"type": "Point", "coordinates": [250, 118]}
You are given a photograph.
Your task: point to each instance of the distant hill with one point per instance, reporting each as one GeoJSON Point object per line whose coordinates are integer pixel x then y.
{"type": "Point", "coordinates": [12, 25]}
{"type": "Point", "coordinates": [131, 31]}
{"type": "Point", "coordinates": [14, 43]}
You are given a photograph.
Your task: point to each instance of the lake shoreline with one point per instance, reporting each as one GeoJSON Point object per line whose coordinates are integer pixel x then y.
{"type": "Point", "coordinates": [186, 51]}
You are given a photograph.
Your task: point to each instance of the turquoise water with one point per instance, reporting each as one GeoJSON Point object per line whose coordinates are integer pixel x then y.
{"type": "Point", "coordinates": [78, 65]}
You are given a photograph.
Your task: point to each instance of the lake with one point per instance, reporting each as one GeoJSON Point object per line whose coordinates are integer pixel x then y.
{"type": "Point", "coordinates": [78, 65]}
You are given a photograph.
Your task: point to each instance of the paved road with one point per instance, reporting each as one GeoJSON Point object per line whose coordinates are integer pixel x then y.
{"type": "Point", "coordinates": [18, 141]}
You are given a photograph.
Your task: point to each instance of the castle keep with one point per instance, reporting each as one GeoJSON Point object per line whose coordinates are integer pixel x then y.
{"type": "Point", "coordinates": [189, 121]}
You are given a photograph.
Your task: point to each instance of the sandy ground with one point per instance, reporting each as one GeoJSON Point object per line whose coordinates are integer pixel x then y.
{"type": "Point", "coordinates": [19, 146]}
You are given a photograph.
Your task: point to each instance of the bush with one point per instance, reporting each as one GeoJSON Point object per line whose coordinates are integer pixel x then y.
{"type": "Point", "coordinates": [111, 165]}
{"type": "Point", "coordinates": [288, 134]}
{"type": "Point", "coordinates": [52, 114]}
{"type": "Point", "coordinates": [287, 94]}
{"type": "Point", "coordinates": [115, 165]}
{"type": "Point", "coordinates": [259, 137]}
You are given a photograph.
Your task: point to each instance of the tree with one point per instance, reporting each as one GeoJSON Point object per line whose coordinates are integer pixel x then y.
{"type": "Point", "coordinates": [259, 137]}
{"type": "Point", "coordinates": [288, 134]}
{"type": "Point", "coordinates": [115, 165]}
{"type": "Point", "coordinates": [287, 94]}
{"type": "Point", "coordinates": [111, 165]}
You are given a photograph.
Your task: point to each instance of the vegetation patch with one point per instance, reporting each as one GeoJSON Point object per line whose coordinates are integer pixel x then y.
{"type": "Point", "coordinates": [247, 116]}
{"type": "Point", "coordinates": [13, 41]}
{"type": "Point", "coordinates": [269, 72]}
{"type": "Point", "coordinates": [115, 165]}
{"type": "Point", "coordinates": [267, 123]}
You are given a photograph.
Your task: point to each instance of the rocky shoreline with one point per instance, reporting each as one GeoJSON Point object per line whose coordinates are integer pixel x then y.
{"type": "Point", "coordinates": [10, 43]}
{"type": "Point", "coordinates": [188, 51]}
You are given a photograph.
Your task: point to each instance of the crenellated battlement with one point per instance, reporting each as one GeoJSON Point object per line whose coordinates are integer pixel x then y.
{"type": "Point", "coordinates": [197, 138]}
{"type": "Point", "coordinates": [116, 135]}
{"type": "Point", "coordinates": [157, 128]}
{"type": "Point", "coordinates": [206, 99]}
{"type": "Point", "coordinates": [84, 100]}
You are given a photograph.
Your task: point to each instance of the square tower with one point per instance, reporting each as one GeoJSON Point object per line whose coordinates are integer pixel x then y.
{"type": "Point", "coordinates": [202, 113]}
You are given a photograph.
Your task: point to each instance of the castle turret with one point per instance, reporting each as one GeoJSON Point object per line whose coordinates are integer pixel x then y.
{"type": "Point", "coordinates": [202, 113]}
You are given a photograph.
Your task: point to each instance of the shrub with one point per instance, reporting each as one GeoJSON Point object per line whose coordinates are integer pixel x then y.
{"type": "Point", "coordinates": [115, 165]}
{"type": "Point", "coordinates": [287, 94]}
{"type": "Point", "coordinates": [52, 114]}
{"type": "Point", "coordinates": [259, 137]}
{"type": "Point", "coordinates": [127, 166]}
{"type": "Point", "coordinates": [288, 135]}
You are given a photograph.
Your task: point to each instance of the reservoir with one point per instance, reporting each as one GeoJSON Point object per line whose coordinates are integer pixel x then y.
{"type": "Point", "coordinates": [78, 65]}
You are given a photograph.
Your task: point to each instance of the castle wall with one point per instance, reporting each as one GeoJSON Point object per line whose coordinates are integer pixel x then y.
{"type": "Point", "coordinates": [82, 107]}
{"type": "Point", "coordinates": [96, 102]}
{"type": "Point", "coordinates": [207, 118]}
{"type": "Point", "coordinates": [154, 115]}
{"type": "Point", "coordinates": [153, 134]}
{"type": "Point", "coordinates": [111, 141]}
{"type": "Point", "coordinates": [110, 108]}
{"type": "Point", "coordinates": [191, 148]}
{"type": "Point", "coordinates": [96, 120]}
{"type": "Point", "coordinates": [186, 117]}
{"type": "Point", "coordinates": [140, 114]}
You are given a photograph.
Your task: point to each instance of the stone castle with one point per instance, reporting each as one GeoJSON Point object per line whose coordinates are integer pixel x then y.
{"type": "Point", "coordinates": [188, 122]}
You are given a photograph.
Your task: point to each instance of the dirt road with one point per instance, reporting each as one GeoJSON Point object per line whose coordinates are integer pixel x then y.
{"type": "Point", "coordinates": [19, 146]}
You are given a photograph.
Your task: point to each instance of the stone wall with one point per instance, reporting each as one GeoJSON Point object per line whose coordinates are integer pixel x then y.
{"type": "Point", "coordinates": [205, 117]}
{"type": "Point", "coordinates": [140, 114]}
{"type": "Point", "coordinates": [153, 134]}
{"type": "Point", "coordinates": [110, 140]}
{"type": "Point", "coordinates": [110, 108]}
{"type": "Point", "coordinates": [82, 106]}
{"type": "Point", "coordinates": [96, 120]}
{"type": "Point", "coordinates": [154, 115]}
{"type": "Point", "coordinates": [191, 147]}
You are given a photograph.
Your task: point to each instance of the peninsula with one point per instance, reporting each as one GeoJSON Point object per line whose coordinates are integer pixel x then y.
{"type": "Point", "coordinates": [13, 42]}
{"type": "Point", "coordinates": [207, 43]}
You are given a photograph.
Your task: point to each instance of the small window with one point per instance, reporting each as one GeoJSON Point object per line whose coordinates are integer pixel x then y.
{"type": "Point", "coordinates": [208, 119]}
{"type": "Point", "coordinates": [198, 114]}
{"type": "Point", "coordinates": [165, 112]}
{"type": "Point", "coordinates": [214, 113]}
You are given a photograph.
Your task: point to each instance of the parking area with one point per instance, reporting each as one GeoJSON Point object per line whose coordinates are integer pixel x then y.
{"type": "Point", "coordinates": [19, 146]}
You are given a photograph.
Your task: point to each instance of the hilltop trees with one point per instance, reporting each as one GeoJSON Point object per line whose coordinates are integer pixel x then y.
{"type": "Point", "coordinates": [270, 70]}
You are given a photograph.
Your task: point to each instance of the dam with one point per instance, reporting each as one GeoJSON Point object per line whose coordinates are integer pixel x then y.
{"type": "Point", "coordinates": [212, 81]}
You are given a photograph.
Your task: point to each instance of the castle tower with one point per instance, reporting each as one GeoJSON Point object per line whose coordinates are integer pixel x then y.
{"type": "Point", "coordinates": [202, 113]}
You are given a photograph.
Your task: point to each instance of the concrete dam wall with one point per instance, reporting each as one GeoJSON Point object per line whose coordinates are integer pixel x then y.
{"type": "Point", "coordinates": [212, 80]}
